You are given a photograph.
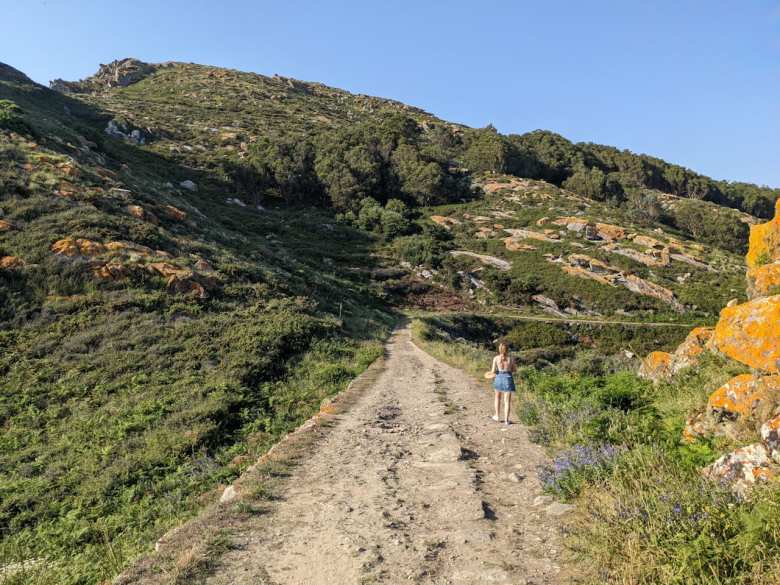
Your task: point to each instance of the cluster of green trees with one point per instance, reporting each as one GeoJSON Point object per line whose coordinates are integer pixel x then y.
{"type": "Point", "coordinates": [393, 157]}
{"type": "Point", "coordinates": [382, 159]}
{"type": "Point", "coordinates": [603, 172]}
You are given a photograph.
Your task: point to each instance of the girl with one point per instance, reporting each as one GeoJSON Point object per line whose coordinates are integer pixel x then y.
{"type": "Point", "coordinates": [503, 382]}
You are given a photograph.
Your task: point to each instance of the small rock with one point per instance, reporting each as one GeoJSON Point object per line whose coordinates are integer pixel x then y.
{"type": "Point", "coordinates": [542, 500]}
{"type": "Point", "coordinates": [189, 185]}
{"type": "Point", "coordinates": [515, 477]}
{"type": "Point", "coordinates": [558, 509]}
{"type": "Point", "coordinates": [228, 495]}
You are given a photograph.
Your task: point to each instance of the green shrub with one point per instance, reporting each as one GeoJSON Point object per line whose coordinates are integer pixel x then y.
{"type": "Point", "coordinates": [11, 117]}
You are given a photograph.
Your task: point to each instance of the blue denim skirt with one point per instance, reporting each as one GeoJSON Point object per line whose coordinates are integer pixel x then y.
{"type": "Point", "coordinates": [504, 382]}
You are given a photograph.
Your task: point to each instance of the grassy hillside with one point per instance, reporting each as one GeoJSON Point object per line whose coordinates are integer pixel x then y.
{"type": "Point", "coordinates": [529, 244]}
{"type": "Point", "coordinates": [154, 340]}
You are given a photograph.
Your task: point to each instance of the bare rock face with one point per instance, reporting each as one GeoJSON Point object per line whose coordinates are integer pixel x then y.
{"type": "Point", "coordinates": [5, 225]}
{"type": "Point", "coordinates": [750, 333]}
{"type": "Point", "coordinates": [119, 73]}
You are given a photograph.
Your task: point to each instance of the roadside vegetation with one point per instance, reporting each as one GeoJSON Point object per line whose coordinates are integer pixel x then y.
{"type": "Point", "coordinates": [644, 513]}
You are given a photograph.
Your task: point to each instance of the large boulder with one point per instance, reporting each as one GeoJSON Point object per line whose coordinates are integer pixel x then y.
{"type": "Point", "coordinates": [764, 243]}
{"type": "Point", "coordinates": [742, 468]}
{"type": "Point", "coordinates": [764, 280]}
{"type": "Point", "coordinates": [740, 395]}
{"type": "Point", "coordinates": [750, 333]}
{"type": "Point", "coordinates": [444, 221]}
{"type": "Point", "coordinates": [609, 232]}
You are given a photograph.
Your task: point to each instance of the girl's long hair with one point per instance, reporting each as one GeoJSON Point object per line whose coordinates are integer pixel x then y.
{"type": "Point", "coordinates": [503, 351]}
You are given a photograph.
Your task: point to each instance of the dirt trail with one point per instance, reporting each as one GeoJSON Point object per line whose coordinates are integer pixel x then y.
{"type": "Point", "coordinates": [414, 484]}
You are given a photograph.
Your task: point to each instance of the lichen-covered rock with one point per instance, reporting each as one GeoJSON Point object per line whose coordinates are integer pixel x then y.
{"type": "Point", "coordinates": [167, 270]}
{"type": "Point", "coordinates": [742, 468]}
{"type": "Point", "coordinates": [444, 221]}
{"type": "Point", "coordinates": [5, 225]}
{"type": "Point", "coordinates": [174, 212]}
{"type": "Point", "coordinates": [764, 243]}
{"type": "Point", "coordinates": [609, 232]}
{"type": "Point", "coordinates": [750, 333]}
{"type": "Point", "coordinates": [515, 245]}
{"type": "Point", "coordinates": [740, 395]}
{"type": "Point", "coordinates": [688, 352]}
{"type": "Point", "coordinates": [770, 435]}
{"type": "Point", "coordinates": [574, 224]}
{"type": "Point", "coordinates": [74, 248]}
{"type": "Point", "coordinates": [142, 214]}
{"type": "Point", "coordinates": [764, 280]}
{"type": "Point", "coordinates": [111, 271]}
{"type": "Point", "coordinates": [648, 242]}
{"type": "Point", "coordinates": [11, 262]}
{"type": "Point", "coordinates": [656, 366]}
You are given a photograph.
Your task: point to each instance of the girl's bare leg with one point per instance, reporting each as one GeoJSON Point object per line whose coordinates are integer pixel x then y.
{"type": "Point", "coordinates": [497, 404]}
{"type": "Point", "coordinates": [507, 403]}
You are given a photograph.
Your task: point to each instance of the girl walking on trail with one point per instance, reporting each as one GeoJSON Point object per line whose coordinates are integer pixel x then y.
{"type": "Point", "coordinates": [503, 383]}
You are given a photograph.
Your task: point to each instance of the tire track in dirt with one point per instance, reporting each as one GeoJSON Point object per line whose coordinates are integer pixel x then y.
{"type": "Point", "coordinates": [414, 484]}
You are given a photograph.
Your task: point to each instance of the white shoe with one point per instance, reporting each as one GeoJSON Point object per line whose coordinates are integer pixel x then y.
{"type": "Point", "coordinates": [495, 418]}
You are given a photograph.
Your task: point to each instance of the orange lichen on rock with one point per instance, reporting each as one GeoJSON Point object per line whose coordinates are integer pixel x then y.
{"type": "Point", "coordinates": [74, 248]}
{"type": "Point", "coordinates": [656, 366]}
{"type": "Point", "coordinates": [445, 221]}
{"type": "Point", "coordinates": [609, 232]}
{"type": "Point", "coordinates": [750, 333]}
{"type": "Point", "coordinates": [764, 243]}
{"type": "Point", "coordinates": [5, 225]}
{"type": "Point", "coordinates": [111, 271]}
{"type": "Point", "coordinates": [174, 212]}
{"type": "Point", "coordinates": [168, 270]}
{"type": "Point", "coordinates": [688, 352]}
{"type": "Point", "coordinates": [764, 280]}
{"type": "Point", "coordinates": [11, 262]}
{"type": "Point", "coordinates": [142, 214]}
{"type": "Point", "coordinates": [740, 395]}
{"type": "Point", "coordinates": [741, 468]}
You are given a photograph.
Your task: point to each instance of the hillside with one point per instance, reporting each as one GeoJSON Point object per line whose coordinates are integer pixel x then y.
{"type": "Point", "coordinates": [192, 259]}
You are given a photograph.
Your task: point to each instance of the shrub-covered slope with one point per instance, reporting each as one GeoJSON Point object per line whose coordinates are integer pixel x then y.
{"type": "Point", "coordinates": [154, 338]}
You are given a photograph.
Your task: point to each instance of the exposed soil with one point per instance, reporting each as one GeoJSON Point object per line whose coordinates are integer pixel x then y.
{"type": "Point", "coordinates": [413, 484]}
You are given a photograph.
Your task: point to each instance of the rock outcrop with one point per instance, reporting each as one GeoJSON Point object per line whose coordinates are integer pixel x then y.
{"type": "Point", "coordinates": [750, 333]}
{"type": "Point", "coordinates": [119, 73]}
{"type": "Point", "coordinates": [661, 365]}
{"type": "Point", "coordinates": [444, 221]}
{"type": "Point", "coordinates": [11, 263]}
{"type": "Point", "coordinates": [499, 263]}
{"type": "Point", "coordinates": [656, 366]}
{"type": "Point", "coordinates": [742, 468]}
{"type": "Point", "coordinates": [763, 257]}
{"type": "Point", "coordinates": [764, 243]}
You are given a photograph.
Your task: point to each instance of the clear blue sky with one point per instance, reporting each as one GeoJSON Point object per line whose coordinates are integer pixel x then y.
{"type": "Point", "coordinates": [695, 82]}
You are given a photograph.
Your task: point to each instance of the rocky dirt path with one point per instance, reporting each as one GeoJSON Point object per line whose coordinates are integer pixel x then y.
{"type": "Point", "coordinates": [414, 484]}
